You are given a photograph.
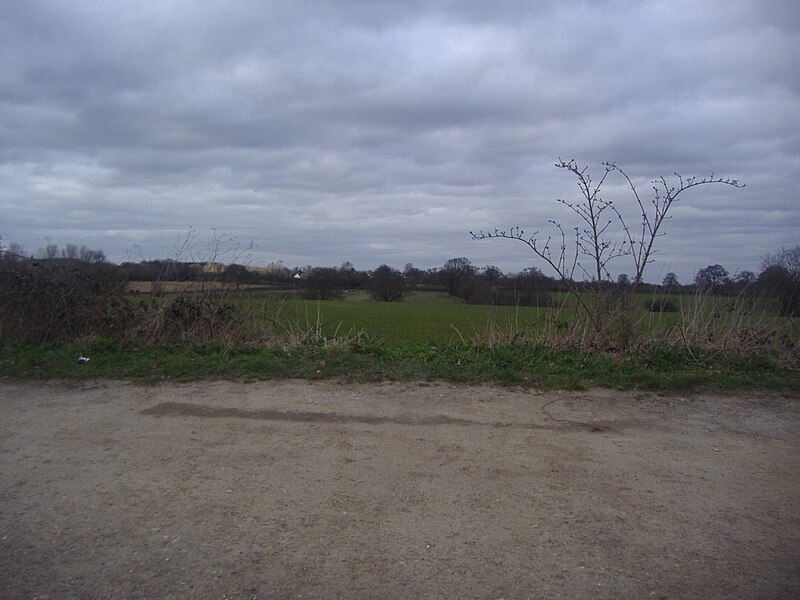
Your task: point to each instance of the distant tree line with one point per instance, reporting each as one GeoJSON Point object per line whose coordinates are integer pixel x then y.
{"type": "Point", "coordinates": [16, 252]}
{"type": "Point", "coordinates": [458, 277]}
{"type": "Point", "coordinates": [779, 277]}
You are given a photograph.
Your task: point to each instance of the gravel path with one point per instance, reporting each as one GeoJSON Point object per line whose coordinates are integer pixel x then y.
{"type": "Point", "coordinates": [322, 490]}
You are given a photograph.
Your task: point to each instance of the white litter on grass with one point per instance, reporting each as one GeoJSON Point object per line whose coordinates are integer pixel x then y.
{"type": "Point", "coordinates": [81, 360]}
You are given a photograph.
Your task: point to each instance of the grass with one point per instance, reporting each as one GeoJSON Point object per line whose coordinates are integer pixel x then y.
{"type": "Point", "coordinates": [428, 337]}
{"type": "Point", "coordinates": [527, 366]}
{"type": "Point", "coordinates": [415, 321]}
{"type": "Point", "coordinates": [437, 318]}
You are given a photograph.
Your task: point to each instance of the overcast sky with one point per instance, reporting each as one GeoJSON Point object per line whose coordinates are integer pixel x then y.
{"type": "Point", "coordinates": [378, 131]}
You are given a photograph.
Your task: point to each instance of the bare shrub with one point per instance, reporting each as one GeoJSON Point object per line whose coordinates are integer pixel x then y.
{"type": "Point", "coordinates": [602, 234]}
{"type": "Point", "coordinates": [56, 300]}
{"type": "Point", "coordinates": [780, 279]}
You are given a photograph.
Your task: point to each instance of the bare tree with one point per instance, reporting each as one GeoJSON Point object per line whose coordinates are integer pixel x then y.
{"type": "Point", "coordinates": [90, 256]}
{"type": "Point", "coordinates": [744, 278]}
{"type": "Point", "coordinates": [70, 251]}
{"type": "Point", "coordinates": [455, 273]}
{"type": "Point", "coordinates": [670, 281]}
{"type": "Point", "coordinates": [387, 284]}
{"type": "Point", "coordinates": [787, 259]}
{"type": "Point", "coordinates": [602, 233]}
{"type": "Point", "coordinates": [591, 236]}
{"type": "Point", "coordinates": [712, 277]}
{"type": "Point", "coordinates": [780, 278]}
{"type": "Point", "coordinates": [49, 252]}
{"type": "Point", "coordinates": [73, 252]}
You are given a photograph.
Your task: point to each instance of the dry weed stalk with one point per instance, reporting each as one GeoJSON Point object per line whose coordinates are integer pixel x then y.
{"type": "Point", "coordinates": [742, 325]}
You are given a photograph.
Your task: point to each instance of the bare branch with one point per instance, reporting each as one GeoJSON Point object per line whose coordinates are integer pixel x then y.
{"type": "Point", "coordinates": [594, 237]}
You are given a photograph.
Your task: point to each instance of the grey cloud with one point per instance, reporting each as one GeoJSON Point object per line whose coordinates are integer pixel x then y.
{"type": "Point", "coordinates": [385, 131]}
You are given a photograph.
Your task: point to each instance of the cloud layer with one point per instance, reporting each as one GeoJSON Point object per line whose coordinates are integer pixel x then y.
{"type": "Point", "coordinates": [382, 132]}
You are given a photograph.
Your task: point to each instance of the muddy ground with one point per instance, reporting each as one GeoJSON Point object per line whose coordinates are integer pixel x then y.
{"type": "Point", "coordinates": [324, 490]}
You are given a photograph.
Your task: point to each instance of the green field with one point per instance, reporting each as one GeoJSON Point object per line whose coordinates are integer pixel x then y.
{"type": "Point", "coordinates": [424, 318]}
{"type": "Point", "coordinates": [436, 318]}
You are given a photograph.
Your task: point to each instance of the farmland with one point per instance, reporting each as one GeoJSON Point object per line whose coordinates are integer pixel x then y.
{"type": "Point", "coordinates": [431, 317]}
{"type": "Point", "coordinates": [716, 342]}
{"type": "Point", "coordinates": [436, 317]}
{"type": "Point", "coordinates": [424, 318]}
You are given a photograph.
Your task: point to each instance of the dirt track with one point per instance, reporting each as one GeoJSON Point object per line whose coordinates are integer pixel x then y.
{"type": "Point", "coordinates": [321, 490]}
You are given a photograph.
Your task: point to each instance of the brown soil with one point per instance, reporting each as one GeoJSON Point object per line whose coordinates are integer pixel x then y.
{"type": "Point", "coordinates": [175, 287]}
{"type": "Point", "coordinates": [324, 490]}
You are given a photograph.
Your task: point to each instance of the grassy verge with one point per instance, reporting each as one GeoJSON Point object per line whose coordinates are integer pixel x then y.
{"type": "Point", "coordinates": [661, 367]}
